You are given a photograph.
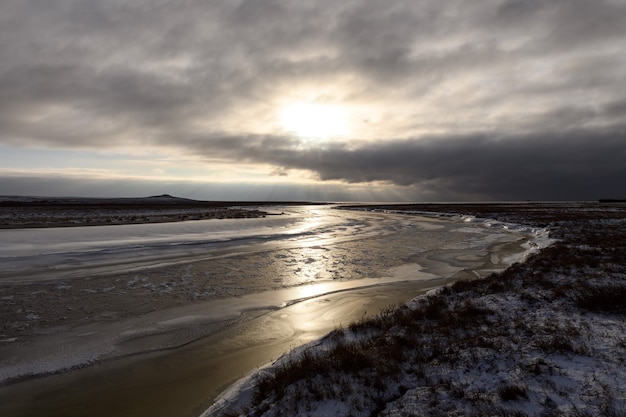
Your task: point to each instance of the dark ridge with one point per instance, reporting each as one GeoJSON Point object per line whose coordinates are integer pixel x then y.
{"type": "Point", "coordinates": [612, 200]}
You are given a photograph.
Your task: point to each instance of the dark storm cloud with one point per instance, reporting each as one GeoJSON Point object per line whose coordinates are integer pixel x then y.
{"type": "Point", "coordinates": [549, 166]}
{"type": "Point", "coordinates": [196, 74]}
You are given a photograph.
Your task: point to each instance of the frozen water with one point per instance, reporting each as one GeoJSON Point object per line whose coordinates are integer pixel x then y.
{"type": "Point", "coordinates": [302, 246]}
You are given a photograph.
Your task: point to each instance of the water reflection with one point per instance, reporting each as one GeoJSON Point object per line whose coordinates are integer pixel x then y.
{"type": "Point", "coordinates": [314, 290]}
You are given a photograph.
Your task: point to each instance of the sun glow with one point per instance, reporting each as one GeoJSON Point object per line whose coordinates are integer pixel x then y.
{"type": "Point", "coordinates": [312, 120]}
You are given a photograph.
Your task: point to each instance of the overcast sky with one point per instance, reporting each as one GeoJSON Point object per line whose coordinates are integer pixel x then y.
{"type": "Point", "coordinates": [420, 100]}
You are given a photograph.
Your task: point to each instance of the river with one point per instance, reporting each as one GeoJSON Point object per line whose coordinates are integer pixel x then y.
{"type": "Point", "coordinates": [270, 284]}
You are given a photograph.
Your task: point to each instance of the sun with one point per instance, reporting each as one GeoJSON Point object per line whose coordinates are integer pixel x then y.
{"type": "Point", "coordinates": [313, 120]}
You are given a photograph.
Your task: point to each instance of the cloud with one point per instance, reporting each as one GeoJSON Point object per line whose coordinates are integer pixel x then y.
{"type": "Point", "coordinates": [538, 166]}
{"type": "Point", "coordinates": [444, 96]}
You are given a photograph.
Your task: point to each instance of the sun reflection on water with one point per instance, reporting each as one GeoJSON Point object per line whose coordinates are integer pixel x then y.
{"type": "Point", "coordinates": [314, 290]}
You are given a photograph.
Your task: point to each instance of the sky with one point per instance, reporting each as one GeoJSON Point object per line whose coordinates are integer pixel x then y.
{"type": "Point", "coordinates": [324, 100]}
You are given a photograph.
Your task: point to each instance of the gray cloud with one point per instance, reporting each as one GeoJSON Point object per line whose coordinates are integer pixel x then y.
{"type": "Point", "coordinates": [552, 166]}
{"type": "Point", "coordinates": [525, 98]}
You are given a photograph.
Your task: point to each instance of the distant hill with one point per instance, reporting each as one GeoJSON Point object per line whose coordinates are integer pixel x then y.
{"type": "Point", "coordinates": [160, 199]}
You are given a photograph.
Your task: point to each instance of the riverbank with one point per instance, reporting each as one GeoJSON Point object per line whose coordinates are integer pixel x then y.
{"type": "Point", "coordinates": [543, 338]}
{"type": "Point", "coordinates": [39, 212]}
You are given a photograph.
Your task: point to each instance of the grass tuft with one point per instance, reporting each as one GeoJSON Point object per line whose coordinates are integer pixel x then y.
{"type": "Point", "coordinates": [512, 392]}
{"type": "Point", "coordinates": [608, 298]}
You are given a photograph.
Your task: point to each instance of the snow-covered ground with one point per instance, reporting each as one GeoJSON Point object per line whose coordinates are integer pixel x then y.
{"type": "Point", "coordinates": [546, 337]}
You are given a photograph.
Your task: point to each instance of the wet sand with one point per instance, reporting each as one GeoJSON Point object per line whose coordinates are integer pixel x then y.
{"type": "Point", "coordinates": [202, 353]}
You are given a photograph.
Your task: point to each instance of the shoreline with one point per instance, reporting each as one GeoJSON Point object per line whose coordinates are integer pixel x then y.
{"type": "Point", "coordinates": [98, 216]}
{"type": "Point", "coordinates": [48, 212]}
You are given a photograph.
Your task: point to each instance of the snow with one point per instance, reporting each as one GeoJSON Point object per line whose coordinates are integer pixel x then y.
{"type": "Point", "coordinates": [514, 344]}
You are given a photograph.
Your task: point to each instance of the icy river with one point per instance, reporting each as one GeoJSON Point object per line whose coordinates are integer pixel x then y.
{"type": "Point", "coordinates": [246, 291]}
